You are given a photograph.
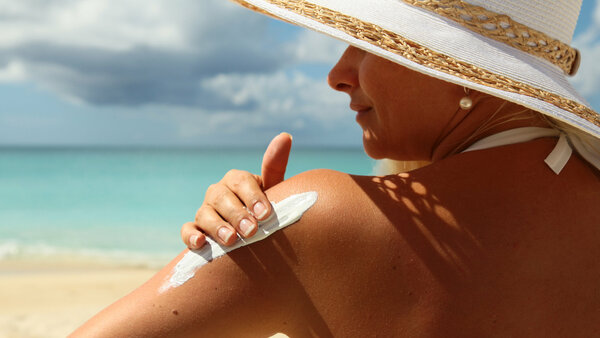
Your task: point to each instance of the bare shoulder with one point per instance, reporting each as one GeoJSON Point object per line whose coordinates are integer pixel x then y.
{"type": "Point", "coordinates": [338, 194]}
{"type": "Point", "coordinates": [353, 253]}
{"type": "Point", "coordinates": [315, 277]}
{"type": "Point", "coordinates": [422, 248]}
{"type": "Point", "coordinates": [444, 240]}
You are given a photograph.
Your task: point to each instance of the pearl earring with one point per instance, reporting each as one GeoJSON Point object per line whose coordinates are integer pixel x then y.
{"type": "Point", "coordinates": [466, 102]}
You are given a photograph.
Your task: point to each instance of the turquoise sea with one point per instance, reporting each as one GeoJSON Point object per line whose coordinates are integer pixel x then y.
{"type": "Point", "coordinates": [124, 205]}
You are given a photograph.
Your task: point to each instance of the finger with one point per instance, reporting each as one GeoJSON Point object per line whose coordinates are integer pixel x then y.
{"type": "Point", "coordinates": [247, 189]}
{"type": "Point", "coordinates": [228, 205]}
{"type": "Point", "coordinates": [192, 236]}
{"type": "Point", "coordinates": [275, 160]}
{"type": "Point", "coordinates": [209, 221]}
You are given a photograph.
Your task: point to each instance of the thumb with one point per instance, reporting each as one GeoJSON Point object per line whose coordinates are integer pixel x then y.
{"type": "Point", "coordinates": [275, 160]}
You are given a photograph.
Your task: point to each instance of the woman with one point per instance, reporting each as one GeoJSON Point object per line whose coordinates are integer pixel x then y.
{"type": "Point", "coordinates": [497, 236]}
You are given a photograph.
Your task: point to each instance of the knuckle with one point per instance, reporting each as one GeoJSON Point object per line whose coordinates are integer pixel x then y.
{"type": "Point", "coordinates": [237, 178]}
{"type": "Point", "coordinates": [211, 189]}
{"type": "Point", "coordinates": [237, 185]}
{"type": "Point", "coordinates": [187, 227]}
{"type": "Point", "coordinates": [245, 175]}
{"type": "Point", "coordinates": [232, 174]}
{"type": "Point", "coordinates": [200, 214]}
{"type": "Point", "coordinates": [245, 182]}
{"type": "Point", "coordinates": [217, 192]}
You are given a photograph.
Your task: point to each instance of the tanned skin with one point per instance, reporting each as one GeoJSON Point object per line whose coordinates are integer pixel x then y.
{"type": "Point", "coordinates": [508, 250]}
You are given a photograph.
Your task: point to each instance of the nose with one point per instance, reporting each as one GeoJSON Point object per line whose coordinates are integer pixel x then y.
{"type": "Point", "coordinates": [344, 75]}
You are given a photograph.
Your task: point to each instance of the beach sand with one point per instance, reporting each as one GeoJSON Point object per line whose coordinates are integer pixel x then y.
{"type": "Point", "coordinates": [50, 299]}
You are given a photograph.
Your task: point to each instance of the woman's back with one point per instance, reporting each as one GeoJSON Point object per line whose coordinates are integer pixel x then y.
{"type": "Point", "coordinates": [485, 243]}
{"type": "Point", "coordinates": [510, 249]}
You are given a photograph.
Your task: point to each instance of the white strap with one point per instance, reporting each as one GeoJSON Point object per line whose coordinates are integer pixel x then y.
{"type": "Point", "coordinates": [556, 160]}
{"type": "Point", "coordinates": [512, 136]}
{"type": "Point", "coordinates": [560, 155]}
{"type": "Point", "coordinates": [587, 146]}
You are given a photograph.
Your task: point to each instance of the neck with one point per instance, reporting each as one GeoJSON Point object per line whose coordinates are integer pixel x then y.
{"type": "Point", "coordinates": [488, 116]}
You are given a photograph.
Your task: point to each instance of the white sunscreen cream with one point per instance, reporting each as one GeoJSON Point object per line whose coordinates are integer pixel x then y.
{"type": "Point", "coordinates": [286, 212]}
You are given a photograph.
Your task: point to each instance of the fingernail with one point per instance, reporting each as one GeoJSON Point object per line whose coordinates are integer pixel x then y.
{"type": "Point", "coordinates": [225, 234]}
{"type": "Point", "coordinates": [288, 134]}
{"type": "Point", "coordinates": [259, 210]}
{"type": "Point", "coordinates": [194, 241]}
{"type": "Point", "coordinates": [247, 227]}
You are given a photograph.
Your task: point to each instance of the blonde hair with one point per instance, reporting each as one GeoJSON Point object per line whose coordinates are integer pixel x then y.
{"type": "Point", "coordinates": [389, 167]}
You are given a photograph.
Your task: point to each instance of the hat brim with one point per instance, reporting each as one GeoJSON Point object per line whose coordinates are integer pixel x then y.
{"type": "Point", "coordinates": [438, 47]}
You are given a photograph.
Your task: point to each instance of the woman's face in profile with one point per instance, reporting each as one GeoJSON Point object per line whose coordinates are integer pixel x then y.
{"type": "Point", "coordinates": [402, 112]}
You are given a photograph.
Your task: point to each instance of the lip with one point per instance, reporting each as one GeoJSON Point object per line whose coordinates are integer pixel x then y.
{"type": "Point", "coordinates": [362, 116]}
{"type": "Point", "coordinates": [360, 108]}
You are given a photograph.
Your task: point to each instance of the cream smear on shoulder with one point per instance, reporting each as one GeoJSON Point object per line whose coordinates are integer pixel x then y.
{"type": "Point", "coordinates": [286, 212]}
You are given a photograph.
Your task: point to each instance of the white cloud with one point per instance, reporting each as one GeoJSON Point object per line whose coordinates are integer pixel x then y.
{"type": "Point", "coordinates": [281, 94]}
{"type": "Point", "coordinates": [109, 24]}
{"type": "Point", "coordinates": [291, 101]}
{"type": "Point", "coordinates": [314, 47]}
{"type": "Point", "coordinates": [587, 80]}
{"type": "Point", "coordinates": [204, 70]}
{"type": "Point", "coordinates": [157, 52]}
{"type": "Point", "coordinates": [110, 52]}
{"type": "Point", "coordinates": [14, 71]}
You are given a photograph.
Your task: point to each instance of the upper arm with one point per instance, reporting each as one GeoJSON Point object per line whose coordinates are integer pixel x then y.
{"type": "Point", "coordinates": [300, 280]}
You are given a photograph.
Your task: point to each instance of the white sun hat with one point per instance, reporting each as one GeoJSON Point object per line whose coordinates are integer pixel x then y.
{"type": "Point", "coordinates": [517, 50]}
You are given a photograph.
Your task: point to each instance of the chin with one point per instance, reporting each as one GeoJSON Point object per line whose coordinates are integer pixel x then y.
{"type": "Point", "coordinates": [381, 154]}
{"type": "Point", "coordinates": [373, 152]}
{"type": "Point", "coordinates": [377, 151]}
{"type": "Point", "coordinates": [382, 150]}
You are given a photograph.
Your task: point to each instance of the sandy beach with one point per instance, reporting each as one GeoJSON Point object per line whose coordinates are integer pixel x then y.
{"type": "Point", "coordinates": [51, 299]}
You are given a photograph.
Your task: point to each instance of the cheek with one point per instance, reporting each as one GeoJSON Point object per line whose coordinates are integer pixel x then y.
{"type": "Point", "coordinates": [378, 137]}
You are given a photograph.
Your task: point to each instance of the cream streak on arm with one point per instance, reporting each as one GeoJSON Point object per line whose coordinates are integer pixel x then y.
{"type": "Point", "coordinates": [286, 212]}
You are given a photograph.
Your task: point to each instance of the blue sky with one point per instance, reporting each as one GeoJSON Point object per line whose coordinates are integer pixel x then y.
{"type": "Point", "coordinates": [181, 73]}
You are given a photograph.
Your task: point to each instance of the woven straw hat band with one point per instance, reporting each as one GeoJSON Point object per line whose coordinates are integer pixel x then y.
{"type": "Point", "coordinates": [555, 18]}
{"type": "Point", "coordinates": [547, 39]}
{"type": "Point", "coordinates": [505, 29]}
{"type": "Point", "coordinates": [513, 49]}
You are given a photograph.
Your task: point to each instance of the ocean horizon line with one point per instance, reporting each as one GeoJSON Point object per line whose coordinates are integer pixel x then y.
{"type": "Point", "coordinates": [100, 147]}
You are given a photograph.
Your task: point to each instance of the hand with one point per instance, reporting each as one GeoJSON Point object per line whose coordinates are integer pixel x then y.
{"type": "Point", "coordinates": [237, 202]}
